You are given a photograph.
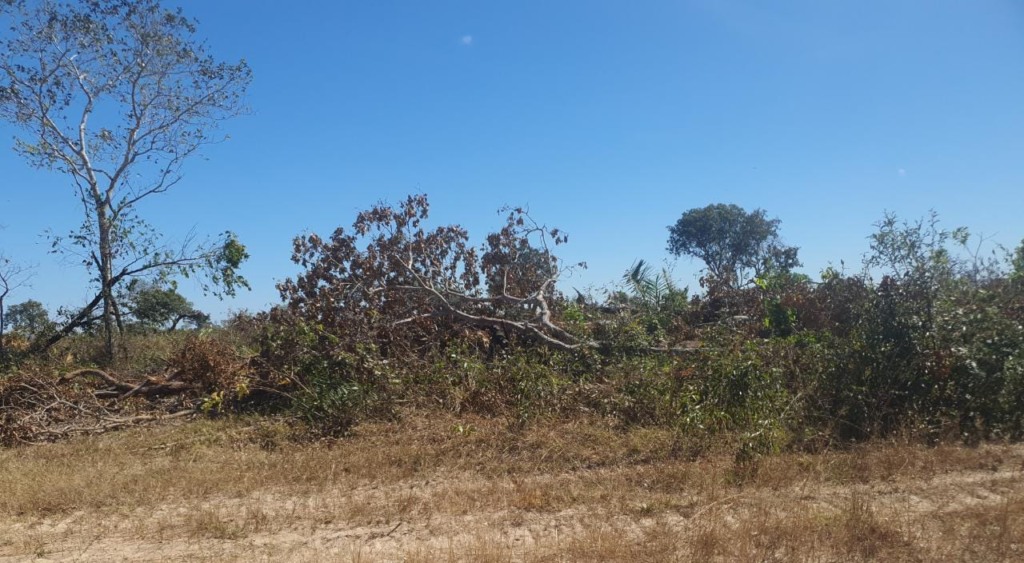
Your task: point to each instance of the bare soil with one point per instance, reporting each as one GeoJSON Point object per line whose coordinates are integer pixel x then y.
{"type": "Point", "coordinates": [433, 488]}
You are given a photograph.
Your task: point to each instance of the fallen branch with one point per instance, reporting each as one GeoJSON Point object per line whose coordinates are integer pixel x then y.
{"type": "Point", "coordinates": [107, 378]}
{"type": "Point", "coordinates": [37, 409]}
{"type": "Point", "coordinates": [45, 435]}
{"type": "Point", "coordinates": [149, 387]}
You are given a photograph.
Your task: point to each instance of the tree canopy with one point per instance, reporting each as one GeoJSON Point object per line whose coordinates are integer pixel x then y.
{"type": "Point", "coordinates": [12, 276]}
{"type": "Point", "coordinates": [29, 318]}
{"type": "Point", "coordinates": [157, 307]}
{"type": "Point", "coordinates": [734, 245]}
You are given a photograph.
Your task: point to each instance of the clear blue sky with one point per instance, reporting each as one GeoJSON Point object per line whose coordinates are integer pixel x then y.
{"type": "Point", "coordinates": [607, 118]}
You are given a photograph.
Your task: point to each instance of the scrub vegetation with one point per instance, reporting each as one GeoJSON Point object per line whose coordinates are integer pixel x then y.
{"type": "Point", "coordinates": [422, 394]}
{"type": "Point", "coordinates": [415, 397]}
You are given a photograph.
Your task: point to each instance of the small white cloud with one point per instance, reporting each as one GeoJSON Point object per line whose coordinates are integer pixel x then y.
{"type": "Point", "coordinates": [902, 172]}
{"type": "Point", "coordinates": [467, 40]}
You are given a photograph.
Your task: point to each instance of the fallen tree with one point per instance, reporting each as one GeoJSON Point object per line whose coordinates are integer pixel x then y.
{"type": "Point", "coordinates": [407, 284]}
{"type": "Point", "coordinates": [391, 284]}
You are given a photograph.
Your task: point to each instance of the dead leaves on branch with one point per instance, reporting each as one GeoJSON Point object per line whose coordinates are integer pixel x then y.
{"type": "Point", "coordinates": [392, 281]}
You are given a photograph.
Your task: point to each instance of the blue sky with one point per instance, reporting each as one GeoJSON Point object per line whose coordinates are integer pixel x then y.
{"type": "Point", "coordinates": [607, 118]}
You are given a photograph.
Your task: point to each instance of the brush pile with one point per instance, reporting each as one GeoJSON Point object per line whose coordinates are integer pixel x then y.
{"type": "Point", "coordinates": [38, 408]}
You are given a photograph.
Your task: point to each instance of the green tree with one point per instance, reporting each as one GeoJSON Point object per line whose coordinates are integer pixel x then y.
{"type": "Point", "coordinates": [12, 276]}
{"type": "Point", "coordinates": [156, 307]}
{"type": "Point", "coordinates": [117, 95]}
{"type": "Point", "coordinates": [735, 245]}
{"type": "Point", "coordinates": [29, 318]}
{"type": "Point", "coordinates": [1017, 264]}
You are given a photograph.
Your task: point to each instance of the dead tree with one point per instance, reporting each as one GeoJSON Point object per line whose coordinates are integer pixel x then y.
{"type": "Point", "coordinates": [406, 283]}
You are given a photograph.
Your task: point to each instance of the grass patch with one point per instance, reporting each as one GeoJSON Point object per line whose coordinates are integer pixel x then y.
{"type": "Point", "coordinates": [443, 488]}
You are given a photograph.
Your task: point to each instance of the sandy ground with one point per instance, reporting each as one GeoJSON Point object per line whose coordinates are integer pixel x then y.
{"type": "Point", "coordinates": [471, 517]}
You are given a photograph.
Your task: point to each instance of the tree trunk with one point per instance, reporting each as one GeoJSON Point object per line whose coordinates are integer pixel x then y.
{"type": "Point", "coordinates": [119, 323]}
{"type": "Point", "coordinates": [79, 319]}
{"type": "Point", "coordinates": [3, 328]}
{"type": "Point", "coordinates": [107, 278]}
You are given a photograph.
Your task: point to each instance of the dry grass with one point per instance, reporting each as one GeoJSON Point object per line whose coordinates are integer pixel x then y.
{"type": "Point", "coordinates": [435, 488]}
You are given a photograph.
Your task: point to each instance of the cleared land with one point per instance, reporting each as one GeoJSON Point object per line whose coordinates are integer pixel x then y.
{"type": "Point", "coordinates": [435, 488]}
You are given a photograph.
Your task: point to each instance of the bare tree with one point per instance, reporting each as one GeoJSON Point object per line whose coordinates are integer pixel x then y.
{"type": "Point", "coordinates": [117, 95]}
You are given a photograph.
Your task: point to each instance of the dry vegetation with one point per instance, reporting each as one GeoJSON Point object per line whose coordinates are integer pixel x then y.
{"type": "Point", "coordinates": [416, 399]}
{"type": "Point", "coordinates": [417, 396]}
{"type": "Point", "coordinates": [442, 488]}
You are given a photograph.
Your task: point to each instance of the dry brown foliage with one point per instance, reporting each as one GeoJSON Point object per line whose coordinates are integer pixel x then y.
{"type": "Point", "coordinates": [210, 364]}
{"type": "Point", "coordinates": [391, 283]}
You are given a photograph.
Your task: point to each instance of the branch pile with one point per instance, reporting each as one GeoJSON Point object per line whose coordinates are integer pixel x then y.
{"type": "Point", "coordinates": [37, 408]}
{"type": "Point", "coordinates": [40, 407]}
